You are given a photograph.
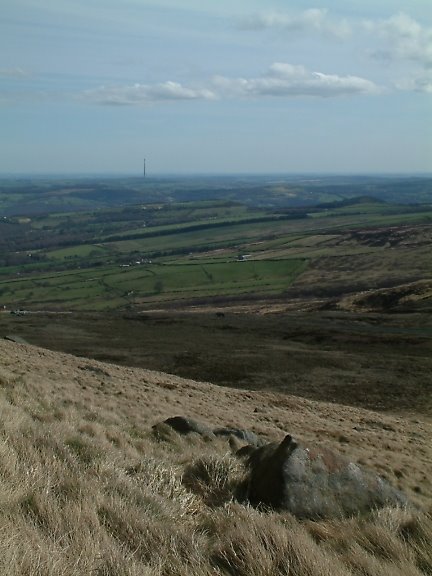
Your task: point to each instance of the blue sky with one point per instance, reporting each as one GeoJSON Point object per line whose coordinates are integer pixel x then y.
{"type": "Point", "coordinates": [93, 86]}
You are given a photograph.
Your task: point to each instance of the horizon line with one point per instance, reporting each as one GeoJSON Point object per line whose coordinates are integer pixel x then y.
{"type": "Point", "coordinates": [158, 175]}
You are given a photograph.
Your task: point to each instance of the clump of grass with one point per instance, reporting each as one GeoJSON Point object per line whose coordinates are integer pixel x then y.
{"type": "Point", "coordinates": [86, 452]}
{"type": "Point", "coordinates": [389, 541]}
{"type": "Point", "coordinates": [216, 479]}
{"type": "Point", "coordinates": [147, 537]}
{"type": "Point", "coordinates": [253, 543]}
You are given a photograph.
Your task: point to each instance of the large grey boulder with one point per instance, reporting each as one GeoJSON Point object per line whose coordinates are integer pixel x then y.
{"type": "Point", "coordinates": [314, 483]}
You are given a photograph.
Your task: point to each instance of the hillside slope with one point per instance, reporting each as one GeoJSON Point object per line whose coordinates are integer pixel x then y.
{"type": "Point", "coordinates": [85, 487]}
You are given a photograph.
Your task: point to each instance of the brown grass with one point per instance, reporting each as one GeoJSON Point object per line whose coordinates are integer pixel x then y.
{"type": "Point", "coordinates": [87, 488]}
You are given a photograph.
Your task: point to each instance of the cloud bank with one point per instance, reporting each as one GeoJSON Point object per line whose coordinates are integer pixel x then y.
{"type": "Point", "coordinates": [281, 80]}
{"type": "Point", "coordinates": [312, 20]}
{"type": "Point", "coordinates": [404, 37]}
{"type": "Point", "coordinates": [286, 80]}
{"type": "Point", "coordinates": [145, 93]}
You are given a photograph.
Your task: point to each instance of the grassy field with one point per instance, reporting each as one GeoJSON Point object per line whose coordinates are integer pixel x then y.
{"type": "Point", "coordinates": [164, 253]}
{"type": "Point", "coordinates": [106, 287]}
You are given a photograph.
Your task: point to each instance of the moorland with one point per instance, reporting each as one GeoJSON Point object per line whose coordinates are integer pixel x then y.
{"type": "Point", "coordinates": [88, 487]}
{"type": "Point", "coordinates": [279, 305]}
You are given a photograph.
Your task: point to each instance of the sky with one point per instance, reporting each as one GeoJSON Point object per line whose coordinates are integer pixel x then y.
{"type": "Point", "coordinates": [215, 87]}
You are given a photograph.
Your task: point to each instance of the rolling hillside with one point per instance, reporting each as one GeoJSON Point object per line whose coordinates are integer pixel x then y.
{"type": "Point", "coordinates": [87, 488]}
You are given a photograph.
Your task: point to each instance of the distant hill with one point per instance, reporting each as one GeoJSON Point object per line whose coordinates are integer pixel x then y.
{"type": "Point", "coordinates": [31, 196]}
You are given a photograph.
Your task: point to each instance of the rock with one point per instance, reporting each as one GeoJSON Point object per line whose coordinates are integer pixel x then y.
{"type": "Point", "coordinates": [244, 435]}
{"type": "Point", "coordinates": [314, 483]}
{"type": "Point", "coordinates": [239, 449]}
{"type": "Point", "coordinates": [244, 451]}
{"type": "Point", "coordinates": [184, 425]}
{"type": "Point", "coordinates": [164, 433]}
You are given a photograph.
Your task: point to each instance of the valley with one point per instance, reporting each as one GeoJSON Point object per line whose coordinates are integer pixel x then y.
{"type": "Point", "coordinates": [325, 300]}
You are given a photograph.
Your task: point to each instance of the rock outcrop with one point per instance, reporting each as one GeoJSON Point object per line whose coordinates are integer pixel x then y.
{"type": "Point", "coordinates": [314, 483]}
{"type": "Point", "coordinates": [184, 425]}
{"type": "Point", "coordinates": [309, 482]}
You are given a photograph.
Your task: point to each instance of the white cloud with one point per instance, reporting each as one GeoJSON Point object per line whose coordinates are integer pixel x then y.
{"type": "Point", "coordinates": [404, 38]}
{"type": "Point", "coordinates": [281, 80]}
{"type": "Point", "coordinates": [287, 80]}
{"type": "Point", "coordinates": [312, 20]}
{"type": "Point", "coordinates": [145, 93]}
{"type": "Point", "coordinates": [399, 39]}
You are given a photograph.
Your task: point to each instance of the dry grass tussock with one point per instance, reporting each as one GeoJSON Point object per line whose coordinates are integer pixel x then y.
{"type": "Point", "coordinates": [86, 487]}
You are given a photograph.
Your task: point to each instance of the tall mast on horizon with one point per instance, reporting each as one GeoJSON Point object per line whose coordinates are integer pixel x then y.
{"type": "Point", "coordinates": [144, 167]}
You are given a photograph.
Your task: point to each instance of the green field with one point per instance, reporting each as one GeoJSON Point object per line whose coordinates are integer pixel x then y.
{"type": "Point", "coordinates": [164, 252]}
{"type": "Point", "coordinates": [111, 287]}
